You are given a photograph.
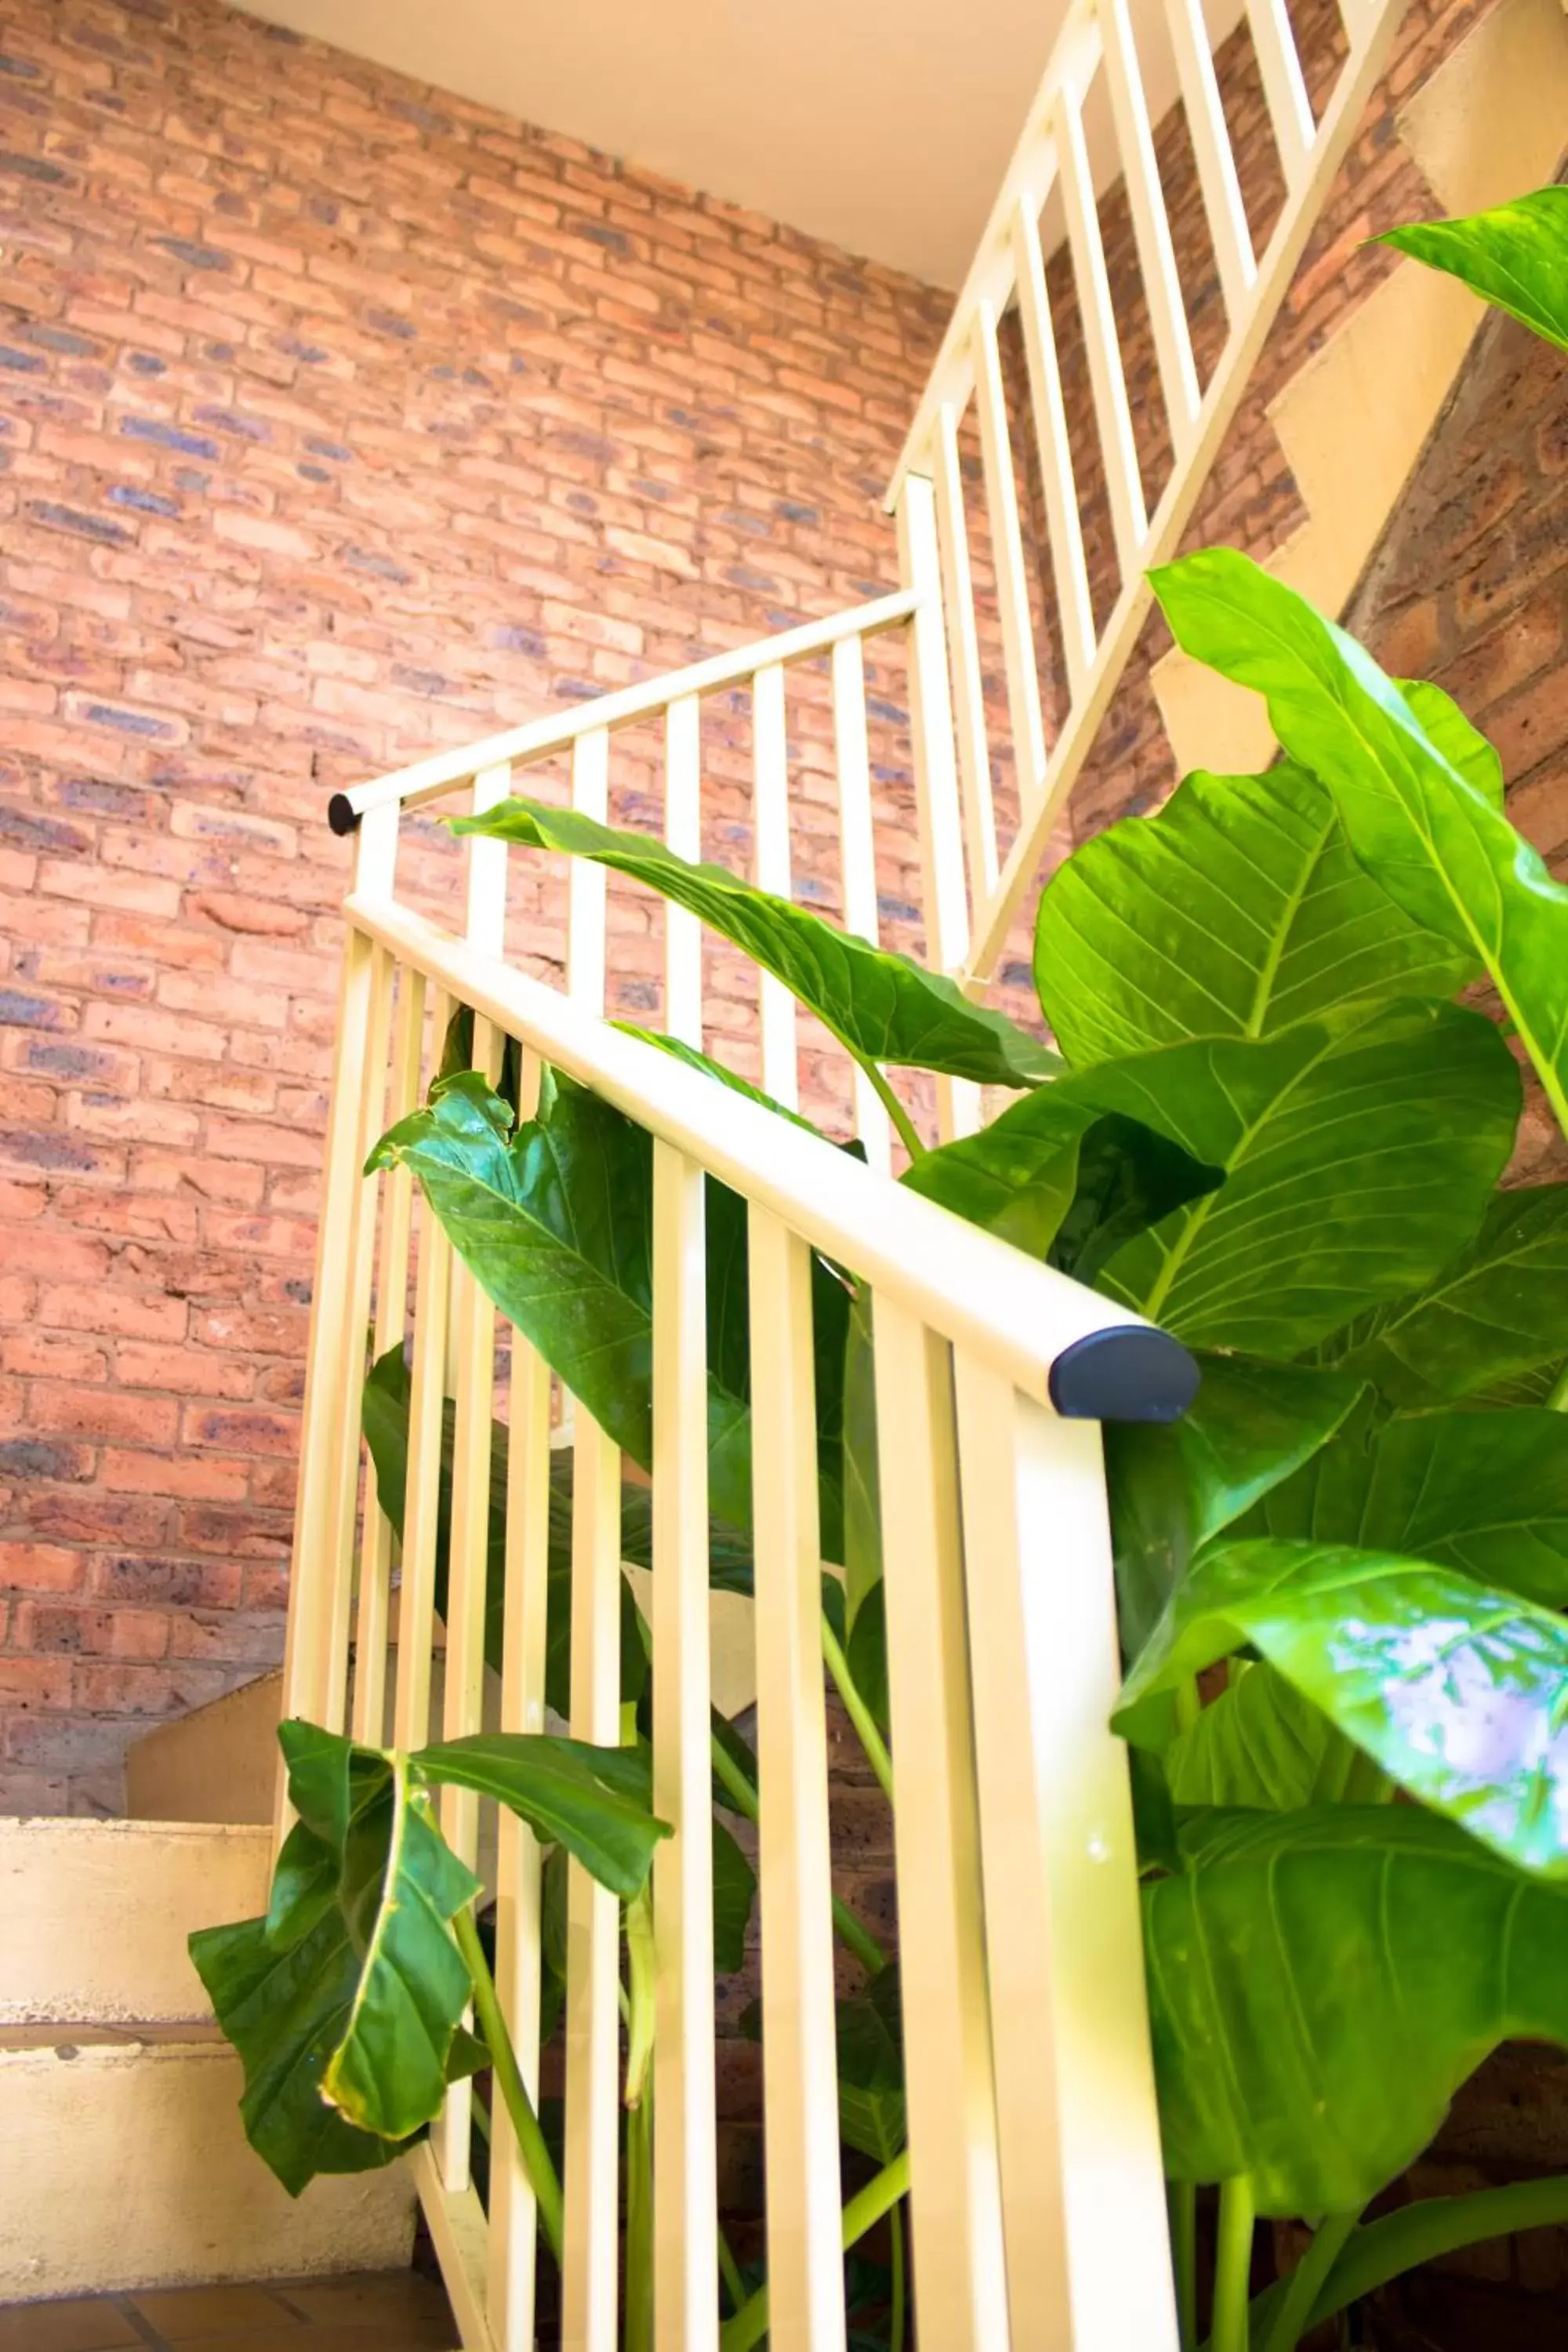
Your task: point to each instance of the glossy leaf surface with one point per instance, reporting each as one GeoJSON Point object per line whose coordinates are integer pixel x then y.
{"type": "Point", "coordinates": [1484, 1492]}
{"type": "Point", "coordinates": [1514, 256]}
{"type": "Point", "coordinates": [1414, 820]}
{"type": "Point", "coordinates": [595, 1801]}
{"type": "Point", "coordinates": [1359, 1157]}
{"type": "Point", "coordinates": [346, 2001]}
{"type": "Point", "coordinates": [1261, 1744]}
{"type": "Point", "coordinates": [1060, 1177]}
{"type": "Point", "coordinates": [285, 2007]}
{"type": "Point", "coordinates": [1321, 1984]}
{"type": "Point", "coordinates": [555, 1223]}
{"type": "Point", "coordinates": [1496, 1311]}
{"type": "Point", "coordinates": [1455, 1689]}
{"type": "Point", "coordinates": [1174, 1486]}
{"type": "Point", "coordinates": [1234, 912]}
{"type": "Point", "coordinates": [366, 1989]}
{"type": "Point", "coordinates": [882, 1005]}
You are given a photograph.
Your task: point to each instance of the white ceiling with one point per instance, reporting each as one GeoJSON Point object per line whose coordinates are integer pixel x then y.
{"type": "Point", "coordinates": [883, 126]}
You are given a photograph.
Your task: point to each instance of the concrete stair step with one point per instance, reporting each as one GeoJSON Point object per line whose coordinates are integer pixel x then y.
{"type": "Point", "coordinates": [126, 2165]}
{"type": "Point", "coordinates": [125, 2161]}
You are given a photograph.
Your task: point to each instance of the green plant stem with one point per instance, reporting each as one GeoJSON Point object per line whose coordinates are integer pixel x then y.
{"type": "Point", "coordinates": [856, 1709]}
{"type": "Point", "coordinates": [908, 1136]}
{"type": "Point", "coordinates": [897, 2322]}
{"type": "Point", "coordinates": [1182, 2198]}
{"type": "Point", "coordinates": [1557, 1398]}
{"type": "Point", "coordinates": [1437, 2225]}
{"type": "Point", "coordinates": [640, 2000]}
{"type": "Point", "coordinates": [1305, 2281]}
{"type": "Point", "coordinates": [863, 2211]}
{"type": "Point", "coordinates": [536, 2157]}
{"type": "Point", "coordinates": [1232, 2266]}
{"type": "Point", "coordinates": [730, 2270]}
{"type": "Point", "coordinates": [855, 1939]}
{"type": "Point", "coordinates": [638, 2335]}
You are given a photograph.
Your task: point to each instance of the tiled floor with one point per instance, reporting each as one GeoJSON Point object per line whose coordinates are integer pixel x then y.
{"type": "Point", "coordinates": [381, 2311]}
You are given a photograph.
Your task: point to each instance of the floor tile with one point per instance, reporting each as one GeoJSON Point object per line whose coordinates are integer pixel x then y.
{"type": "Point", "coordinates": [180, 2312]}
{"type": "Point", "coordinates": [370, 2298]}
{"type": "Point", "coordinates": [85, 2323]}
{"type": "Point", "coordinates": [411, 2333]}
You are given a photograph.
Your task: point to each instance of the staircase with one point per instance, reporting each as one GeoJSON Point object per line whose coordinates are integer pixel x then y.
{"type": "Point", "coordinates": [125, 2164]}
{"type": "Point", "coordinates": [127, 2167]}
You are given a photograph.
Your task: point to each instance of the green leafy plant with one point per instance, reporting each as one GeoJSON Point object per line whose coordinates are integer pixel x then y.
{"type": "Point", "coordinates": [1340, 1578]}
{"type": "Point", "coordinates": [346, 2000]}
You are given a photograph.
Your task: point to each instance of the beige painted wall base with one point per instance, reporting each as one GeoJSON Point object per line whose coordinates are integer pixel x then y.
{"type": "Point", "coordinates": [217, 1763]}
{"type": "Point", "coordinates": [1489, 124]}
{"type": "Point", "coordinates": [126, 2166]}
{"type": "Point", "coordinates": [96, 1912]}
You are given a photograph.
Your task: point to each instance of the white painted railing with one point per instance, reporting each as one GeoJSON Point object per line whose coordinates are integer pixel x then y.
{"type": "Point", "coordinates": [1036, 2194]}
{"type": "Point", "coordinates": [1095, 77]}
{"type": "Point", "coordinates": [475, 776]}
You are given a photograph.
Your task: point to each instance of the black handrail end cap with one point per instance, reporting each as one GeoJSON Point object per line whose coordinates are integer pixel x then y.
{"type": "Point", "coordinates": [1130, 1371]}
{"type": "Point", "coordinates": [341, 814]}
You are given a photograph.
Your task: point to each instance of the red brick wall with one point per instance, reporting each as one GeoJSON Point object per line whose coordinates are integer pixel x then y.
{"type": "Point", "coordinates": [340, 419]}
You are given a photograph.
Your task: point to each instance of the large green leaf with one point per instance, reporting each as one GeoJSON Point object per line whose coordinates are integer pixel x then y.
{"type": "Point", "coordinates": [355, 1991]}
{"type": "Point", "coordinates": [346, 2001]}
{"type": "Point", "coordinates": [595, 1801]}
{"type": "Point", "coordinates": [1456, 1690]}
{"type": "Point", "coordinates": [882, 1006]}
{"type": "Point", "coordinates": [1516, 256]}
{"type": "Point", "coordinates": [1359, 1156]}
{"type": "Point", "coordinates": [1261, 1744]}
{"type": "Point", "coordinates": [1235, 911]}
{"type": "Point", "coordinates": [1484, 1492]}
{"type": "Point", "coordinates": [1175, 1486]}
{"type": "Point", "coordinates": [1060, 1176]}
{"type": "Point", "coordinates": [285, 2008]}
{"type": "Point", "coordinates": [555, 1223]}
{"type": "Point", "coordinates": [1415, 821]}
{"type": "Point", "coordinates": [1498, 1310]}
{"type": "Point", "coordinates": [1321, 1983]}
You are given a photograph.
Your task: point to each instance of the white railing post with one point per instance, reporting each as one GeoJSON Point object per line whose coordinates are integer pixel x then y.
{"type": "Point", "coordinates": [685, 2179]}
{"type": "Point", "coordinates": [954, 2180]}
{"type": "Point", "coordinates": [1082, 2183]}
{"type": "Point", "coordinates": [946, 902]}
{"type": "Point", "coordinates": [315, 1659]}
{"type": "Point", "coordinates": [800, 2095]}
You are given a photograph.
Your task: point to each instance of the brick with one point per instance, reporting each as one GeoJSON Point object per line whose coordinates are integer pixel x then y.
{"type": "Point", "coordinates": [63, 1409]}
{"type": "Point", "coordinates": [41, 1568]}
{"type": "Point", "coordinates": [119, 1312]}
{"type": "Point", "coordinates": [188, 1478]}
{"type": "Point", "coordinates": [184, 1371]}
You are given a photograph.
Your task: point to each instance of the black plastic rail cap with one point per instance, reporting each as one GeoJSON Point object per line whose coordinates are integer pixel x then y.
{"type": "Point", "coordinates": [1128, 1373]}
